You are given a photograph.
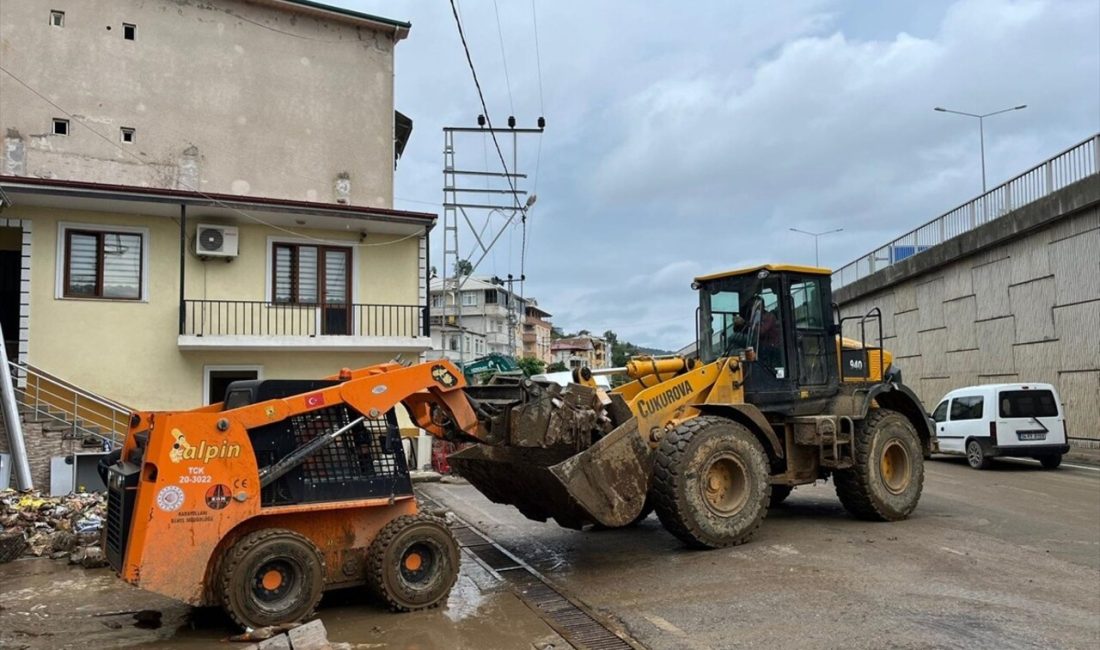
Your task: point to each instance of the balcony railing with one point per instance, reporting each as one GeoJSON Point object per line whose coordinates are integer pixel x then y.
{"type": "Point", "coordinates": [258, 318]}
{"type": "Point", "coordinates": [1076, 163]}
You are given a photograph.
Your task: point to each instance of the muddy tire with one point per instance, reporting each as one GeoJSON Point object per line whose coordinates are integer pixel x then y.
{"type": "Point", "coordinates": [413, 563]}
{"type": "Point", "coordinates": [710, 482]}
{"type": "Point", "coordinates": [271, 576]}
{"type": "Point", "coordinates": [975, 455]}
{"type": "Point", "coordinates": [779, 494]}
{"type": "Point", "coordinates": [886, 482]}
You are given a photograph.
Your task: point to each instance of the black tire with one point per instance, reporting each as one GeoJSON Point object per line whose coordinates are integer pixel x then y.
{"type": "Point", "coordinates": [886, 482]}
{"type": "Point", "coordinates": [413, 563]}
{"type": "Point", "coordinates": [270, 577]}
{"type": "Point", "coordinates": [1050, 461]}
{"type": "Point", "coordinates": [779, 494]}
{"type": "Point", "coordinates": [716, 453]}
{"type": "Point", "coordinates": [975, 455]}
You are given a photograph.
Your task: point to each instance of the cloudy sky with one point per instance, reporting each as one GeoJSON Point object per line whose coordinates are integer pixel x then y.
{"type": "Point", "coordinates": [688, 137]}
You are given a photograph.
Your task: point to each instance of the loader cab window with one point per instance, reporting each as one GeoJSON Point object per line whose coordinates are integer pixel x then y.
{"type": "Point", "coordinates": [811, 337]}
{"type": "Point", "coordinates": [740, 312]}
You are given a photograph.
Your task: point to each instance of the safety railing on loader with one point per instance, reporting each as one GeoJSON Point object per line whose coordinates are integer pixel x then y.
{"type": "Point", "coordinates": [1074, 164]}
{"type": "Point", "coordinates": [86, 415]}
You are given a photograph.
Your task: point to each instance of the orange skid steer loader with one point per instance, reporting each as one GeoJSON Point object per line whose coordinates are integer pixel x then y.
{"type": "Point", "coordinates": [285, 490]}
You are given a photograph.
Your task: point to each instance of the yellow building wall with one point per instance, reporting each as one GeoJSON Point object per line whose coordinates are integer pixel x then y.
{"type": "Point", "coordinates": [127, 350]}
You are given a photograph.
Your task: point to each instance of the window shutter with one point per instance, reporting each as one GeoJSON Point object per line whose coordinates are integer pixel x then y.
{"type": "Point", "coordinates": [121, 265]}
{"type": "Point", "coordinates": [83, 264]}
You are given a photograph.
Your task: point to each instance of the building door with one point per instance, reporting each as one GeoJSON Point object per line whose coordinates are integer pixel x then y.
{"type": "Point", "coordinates": [216, 379]}
{"type": "Point", "coordinates": [336, 291]}
{"type": "Point", "coordinates": [10, 276]}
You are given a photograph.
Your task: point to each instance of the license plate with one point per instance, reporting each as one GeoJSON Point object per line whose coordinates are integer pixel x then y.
{"type": "Point", "coordinates": [1032, 435]}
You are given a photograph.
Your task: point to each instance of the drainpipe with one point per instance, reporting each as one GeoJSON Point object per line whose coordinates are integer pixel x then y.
{"type": "Point", "coordinates": [427, 281]}
{"type": "Point", "coordinates": [11, 420]}
{"type": "Point", "coordinates": [183, 256]}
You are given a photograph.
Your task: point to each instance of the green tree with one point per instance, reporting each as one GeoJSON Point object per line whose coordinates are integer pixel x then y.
{"type": "Point", "coordinates": [557, 366]}
{"type": "Point", "coordinates": [463, 267]}
{"type": "Point", "coordinates": [531, 366]}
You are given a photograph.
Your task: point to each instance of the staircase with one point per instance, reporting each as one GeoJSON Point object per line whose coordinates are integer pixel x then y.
{"type": "Point", "coordinates": [62, 407]}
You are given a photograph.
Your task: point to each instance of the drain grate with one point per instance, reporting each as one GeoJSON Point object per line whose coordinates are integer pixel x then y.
{"type": "Point", "coordinates": [568, 617]}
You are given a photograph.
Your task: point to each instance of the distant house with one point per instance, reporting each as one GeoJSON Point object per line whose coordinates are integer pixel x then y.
{"type": "Point", "coordinates": [582, 351]}
{"type": "Point", "coordinates": [536, 333]}
{"type": "Point", "coordinates": [205, 196]}
{"type": "Point", "coordinates": [491, 319]}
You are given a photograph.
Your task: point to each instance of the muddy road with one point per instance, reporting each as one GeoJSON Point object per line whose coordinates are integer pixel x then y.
{"type": "Point", "coordinates": [1005, 558]}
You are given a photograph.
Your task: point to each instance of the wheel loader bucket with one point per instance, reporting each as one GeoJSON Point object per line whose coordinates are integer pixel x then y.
{"type": "Point", "coordinates": [604, 484]}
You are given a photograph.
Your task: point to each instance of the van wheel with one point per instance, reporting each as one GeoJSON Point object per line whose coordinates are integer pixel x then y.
{"type": "Point", "coordinates": [710, 482]}
{"type": "Point", "coordinates": [1051, 461]}
{"type": "Point", "coordinates": [888, 476]}
{"type": "Point", "coordinates": [975, 455]}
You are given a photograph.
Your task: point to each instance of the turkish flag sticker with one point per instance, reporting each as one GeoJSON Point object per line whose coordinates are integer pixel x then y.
{"type": "Point", "coordinates": [316, 399]}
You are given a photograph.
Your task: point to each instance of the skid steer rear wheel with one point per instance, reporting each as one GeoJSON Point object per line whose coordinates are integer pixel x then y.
{"type": "Point", "coordinates": [710, 482]}
{"type": "Point", "coordinates": [413, 563]}
{"type": "Point", "coordinates": [886, 482]}
{"type": "Point", "coordinates": [271, 576]}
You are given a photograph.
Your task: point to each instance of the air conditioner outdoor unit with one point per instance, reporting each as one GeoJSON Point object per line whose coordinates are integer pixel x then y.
{"type": "Point", "coordinates": [216, 241]}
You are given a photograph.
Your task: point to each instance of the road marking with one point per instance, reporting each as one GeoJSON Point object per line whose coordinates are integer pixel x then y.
{"type": "Point", "coordinates": [1032, 460]}
{"type": "Point", "coordinates": [951, 550]}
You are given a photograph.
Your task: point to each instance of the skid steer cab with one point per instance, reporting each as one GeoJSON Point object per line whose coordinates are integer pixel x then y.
{"type": "Point", "coordinates": [285, 490]}
{"type": "Point", "coordinates": [780, 392]}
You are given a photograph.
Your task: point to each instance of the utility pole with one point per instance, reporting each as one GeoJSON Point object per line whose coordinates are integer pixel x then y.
{"type": "Point", "coordinates": [455, 192]}
{"type": "Point", "coordinates": [515, 303]}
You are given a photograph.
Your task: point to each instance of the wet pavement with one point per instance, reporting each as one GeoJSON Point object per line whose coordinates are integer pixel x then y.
{"type": "Point", "coordinates": [1006, 558]}
{"type": "Point", "coordinates": [50, 604]}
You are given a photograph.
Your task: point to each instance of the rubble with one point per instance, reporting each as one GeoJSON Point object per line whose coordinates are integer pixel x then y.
{"type": "Point", "coordinates": [55, 527]}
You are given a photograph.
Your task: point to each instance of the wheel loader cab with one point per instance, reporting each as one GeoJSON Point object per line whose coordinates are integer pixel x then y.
{"type": "Point", "coordinates": [779, 319]}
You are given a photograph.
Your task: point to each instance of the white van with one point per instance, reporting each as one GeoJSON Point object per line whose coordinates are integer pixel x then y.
{"type": "Point", "coordinates": [984, 422]}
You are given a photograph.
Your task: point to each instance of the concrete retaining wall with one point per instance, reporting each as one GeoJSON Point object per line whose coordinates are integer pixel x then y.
{"type": "Point", "coordinates": [1015, 300]}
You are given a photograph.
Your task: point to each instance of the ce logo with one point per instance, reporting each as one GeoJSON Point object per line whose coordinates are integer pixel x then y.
{"type": "Point", "coordinates": [240, 484]}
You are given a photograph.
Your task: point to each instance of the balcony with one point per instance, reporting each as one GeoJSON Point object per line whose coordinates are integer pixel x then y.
{"type": "Point", "coordinates": [259, 325]}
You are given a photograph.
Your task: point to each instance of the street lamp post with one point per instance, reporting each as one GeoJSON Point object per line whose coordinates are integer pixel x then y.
{"type": "Point", "coordinates": [981, 128]}
{"type": "Point", "coordinates": [815, 235]}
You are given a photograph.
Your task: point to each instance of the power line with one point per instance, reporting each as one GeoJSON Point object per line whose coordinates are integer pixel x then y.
{"type": "Point", "coordinates": [485, 109]}
{"type": "Point", "coordinates": [504, 58]}
{"type": "Point", "coordinates": [206, 196]}
{"type": "Point", "coordinates": [538, 58]}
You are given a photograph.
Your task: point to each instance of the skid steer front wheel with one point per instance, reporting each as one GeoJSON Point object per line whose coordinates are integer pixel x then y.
{"type": "Point", "coordinates": [270, 577]}
{"type": "Point", "coordinates": [413, 563]}
{"type": "Point", "coordinates": [710, 482]}
{"type": "Point", "coordinates": [886, 481]}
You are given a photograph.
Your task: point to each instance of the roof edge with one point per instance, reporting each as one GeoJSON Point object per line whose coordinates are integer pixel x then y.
{"type": "Point", "coordinates": [133, 192]}
{"type": "Point", "coordinates": [349, 13]}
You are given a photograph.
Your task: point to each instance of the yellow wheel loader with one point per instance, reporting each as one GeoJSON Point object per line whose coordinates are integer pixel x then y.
{"type": "Point", "coordinates": [776, 395]}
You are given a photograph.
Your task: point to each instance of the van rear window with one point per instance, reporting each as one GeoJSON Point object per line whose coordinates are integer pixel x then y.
{"type": "Point", "coordinates": [1028, 404]}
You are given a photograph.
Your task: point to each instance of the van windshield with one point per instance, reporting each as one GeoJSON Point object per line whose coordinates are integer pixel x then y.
{"type": "Point", "coordinates": [1028, 404]}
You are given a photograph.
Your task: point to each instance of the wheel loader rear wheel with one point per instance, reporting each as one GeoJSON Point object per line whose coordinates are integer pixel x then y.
{"type": "Point", "coordinates": [271, 576]}
{"type": "Point", "coordinates": [413, 563]}
{"type": "Point", "coordinates": [710, 482]}
{"type": "Point", "coordinates": [886, 482]}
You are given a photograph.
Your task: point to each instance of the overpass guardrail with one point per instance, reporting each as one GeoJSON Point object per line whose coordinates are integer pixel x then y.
{"type": "Point", "coordinates": [1074, 164]}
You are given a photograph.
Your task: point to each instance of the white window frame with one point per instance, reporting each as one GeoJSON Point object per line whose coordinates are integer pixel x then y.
{"type": "Point", "coordinates": [437, 301]}
{"type": "Point", "coordinates": [57, 18]}
{"type": "Point", "coordinates": [59, 260]}
{"type": "Point", "coordinates": [469, 294]}
{"type": "Point", "coordinates": [206, 370]}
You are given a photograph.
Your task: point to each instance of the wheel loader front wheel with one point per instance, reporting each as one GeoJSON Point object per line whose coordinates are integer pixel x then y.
{"type": "Point", "coordinates": [271, 576]}
{"type": "Point", "coordinates": [710, 482]}
{"type": "Point", "coordinates": [886, 481]}
{"type": "Point", "coordinates": [413, 563]}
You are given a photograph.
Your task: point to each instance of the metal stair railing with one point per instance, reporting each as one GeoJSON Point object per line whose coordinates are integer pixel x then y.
{"type": "Point", "coordinates": [86, 415]}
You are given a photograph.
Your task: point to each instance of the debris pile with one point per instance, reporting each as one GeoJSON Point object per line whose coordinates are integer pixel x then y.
{"type": "Point", "coordinates": [55, 527]}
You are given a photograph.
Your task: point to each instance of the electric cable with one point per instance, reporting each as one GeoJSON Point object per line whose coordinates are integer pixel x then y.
{"type": "Point", "coordinates": [504, 58]}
